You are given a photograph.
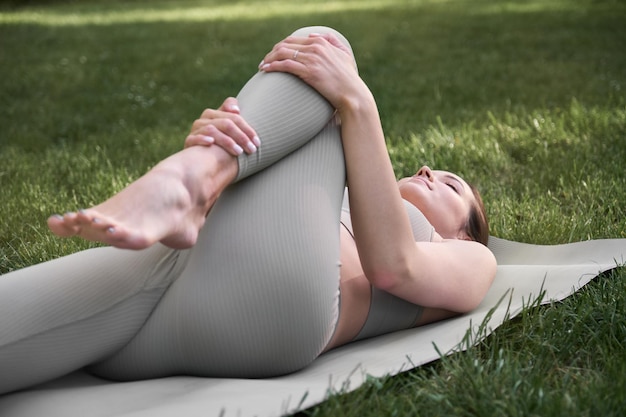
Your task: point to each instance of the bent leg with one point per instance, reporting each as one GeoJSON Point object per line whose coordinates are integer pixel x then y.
{"type": "Point", "coordinates": [262, 299]}
{"type": "Point", "coordinates": [61, 315]}
{"type": "Point", "coordinates": [284, 111]}
{"type": "Point", "coordinates": [57, 317]}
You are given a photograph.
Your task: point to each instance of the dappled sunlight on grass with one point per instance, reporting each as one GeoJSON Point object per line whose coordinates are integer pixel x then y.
{"type": "Point", "coordinates": [73, 15]}
{"type": "Point", "coordinates": [194, 11]}
{"type": "Point", "coordinates": [496, 7]}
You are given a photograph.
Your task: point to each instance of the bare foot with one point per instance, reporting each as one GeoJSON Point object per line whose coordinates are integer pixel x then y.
{"type": "Point", "coordinates": [167, 205]}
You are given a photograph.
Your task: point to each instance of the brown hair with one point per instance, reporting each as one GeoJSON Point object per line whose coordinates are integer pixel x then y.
{"type": "Point", "coordinates": [477, 225]}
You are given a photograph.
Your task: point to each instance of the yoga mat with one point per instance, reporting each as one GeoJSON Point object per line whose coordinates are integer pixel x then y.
{"type": "Point", "coordinates": [524, 273]}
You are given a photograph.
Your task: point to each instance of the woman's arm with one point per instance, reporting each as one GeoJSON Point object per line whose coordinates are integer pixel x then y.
{"type": "Point", "coordinates": [450, 274]}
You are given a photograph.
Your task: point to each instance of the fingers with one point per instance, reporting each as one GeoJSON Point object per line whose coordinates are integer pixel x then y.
{"type": "Point", "coordinates": [290, 52]}
{"type": "Point", "coordinates": [230, 105]}
{"type": "Point", "coordinates": [317, 56]}
{"type": "Point", "coordinates": [227, 134]}
{"type": "Point", "coordinates": [333, 40]}
{"type": "Point", "coordinates": [226, 128]}
{"type": "Point", "coordinates": [301, 49]}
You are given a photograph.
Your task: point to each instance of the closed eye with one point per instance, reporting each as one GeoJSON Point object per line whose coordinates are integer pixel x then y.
{"type": "Point", "coordinates": [453, 187]}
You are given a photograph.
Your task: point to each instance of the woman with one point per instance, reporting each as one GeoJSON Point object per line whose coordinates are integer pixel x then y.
{"type": "Point", "coordinates": [271, 278]}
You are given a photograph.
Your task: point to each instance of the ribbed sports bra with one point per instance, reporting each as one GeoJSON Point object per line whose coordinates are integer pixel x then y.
{"type": "Point", "coordinates": [387, 312]}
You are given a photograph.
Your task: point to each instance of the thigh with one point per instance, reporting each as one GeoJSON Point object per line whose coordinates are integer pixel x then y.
{"type": "Point", "coordinates": [278, 272]}
{"type": "Point", "coordinates": [61, 315]}
{"type": "Point", "coordinates": [259, 296]}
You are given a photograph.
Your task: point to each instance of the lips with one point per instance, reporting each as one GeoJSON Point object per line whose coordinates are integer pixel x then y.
{"type": "Point", "coordinates": [416, 178]}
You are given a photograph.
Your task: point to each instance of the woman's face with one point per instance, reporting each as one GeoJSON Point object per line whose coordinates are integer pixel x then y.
{"type": "Point", "coordinates": [443, 197]}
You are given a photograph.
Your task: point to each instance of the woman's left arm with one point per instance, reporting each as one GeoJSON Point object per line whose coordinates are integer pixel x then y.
{"type": "Point", "coordinates": [450, 274]}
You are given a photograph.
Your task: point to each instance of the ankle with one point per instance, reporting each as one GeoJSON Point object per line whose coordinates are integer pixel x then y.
{"type": "Point", "coordinates": [202, 172]}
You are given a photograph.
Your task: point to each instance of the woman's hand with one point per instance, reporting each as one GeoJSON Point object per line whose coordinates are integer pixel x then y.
{"type": "Point", "coordinates": [323, 62]}
{"type": "Point", "coordinates": [224, 127]}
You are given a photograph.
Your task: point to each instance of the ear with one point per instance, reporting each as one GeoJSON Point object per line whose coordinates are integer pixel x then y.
{"type": "Point", "coordinates": [464, 236]}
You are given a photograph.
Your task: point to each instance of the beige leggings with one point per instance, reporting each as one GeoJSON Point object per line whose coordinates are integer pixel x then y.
{"type": "Point", "coordinates": [257, 296]}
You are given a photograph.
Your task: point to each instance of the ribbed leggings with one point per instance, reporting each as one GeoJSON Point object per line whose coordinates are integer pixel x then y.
{"type": "Point", "coordinates": [257, 296]}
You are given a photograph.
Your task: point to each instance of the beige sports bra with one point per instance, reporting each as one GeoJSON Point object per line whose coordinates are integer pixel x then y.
{"type": "Point", "coordinates": [387, 312]}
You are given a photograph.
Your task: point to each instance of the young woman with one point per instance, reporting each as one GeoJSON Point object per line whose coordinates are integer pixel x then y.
{"type": "Point", "coordinates": [282, 267]}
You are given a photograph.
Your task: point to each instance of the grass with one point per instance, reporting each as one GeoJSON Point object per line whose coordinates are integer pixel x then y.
{"type": "Point", "coordinates": [524, 98]}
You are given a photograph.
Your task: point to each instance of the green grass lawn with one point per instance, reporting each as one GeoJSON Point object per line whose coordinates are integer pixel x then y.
{"type": "Point", "coordinates": [525, 98]}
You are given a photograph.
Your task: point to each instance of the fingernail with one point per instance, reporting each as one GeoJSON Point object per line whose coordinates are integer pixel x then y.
{"type": "Point", "coordinates": [251, 147]}
{"type": "Point", "coordinates": [95, 220]}
{"type": "Point", "coordinates": [111, 230]}
{"type": "Point", "coordinates": [256, 140]}
{"type": "Point", "coordinates": [265, 66]}
{"type": "Point", "coordinates": [234, 107]}
{"type": "Point", "coordinates": [81, 211]}
{"type": "Point", "coordinates": [208, 139]}
{"type": "Point", "coordinates": [238, 149]}
{"type": "Point", "coordinates": [261, 63]}
{"type": "Point", "coordinates": [57, 216]}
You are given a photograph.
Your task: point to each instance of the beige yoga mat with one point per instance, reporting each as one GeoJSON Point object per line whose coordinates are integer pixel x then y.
{"type": "Point", "coordinates": [524, 271]}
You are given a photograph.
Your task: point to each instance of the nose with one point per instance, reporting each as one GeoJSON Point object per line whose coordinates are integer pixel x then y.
{"type": "Point", "coordinates": [425, 171]}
